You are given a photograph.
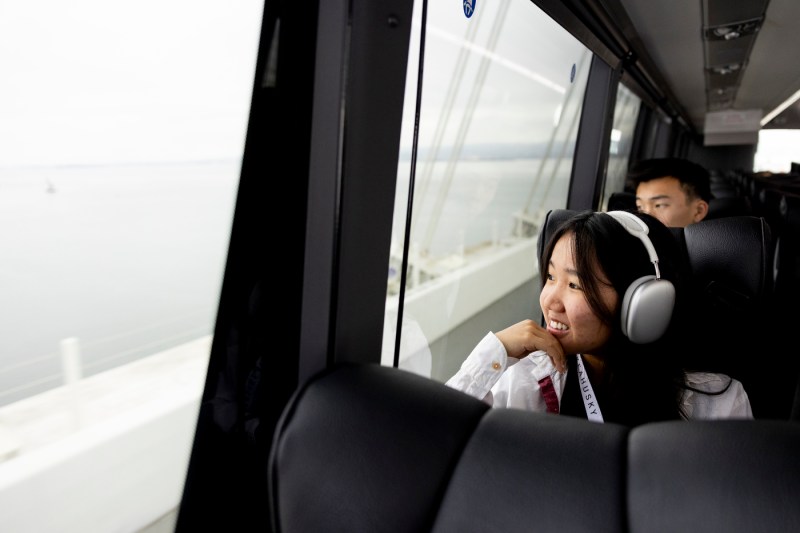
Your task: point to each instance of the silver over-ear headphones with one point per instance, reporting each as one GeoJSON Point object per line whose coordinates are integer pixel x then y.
{"type": "Point", "coordinates": [648, 301]}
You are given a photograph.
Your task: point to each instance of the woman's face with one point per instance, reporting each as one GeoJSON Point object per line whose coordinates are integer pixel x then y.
{"type": "Point", "coordinates": [566, 311]}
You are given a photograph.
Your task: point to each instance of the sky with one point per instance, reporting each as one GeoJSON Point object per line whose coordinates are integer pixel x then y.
{"type": "Point", "coordinates": [105, 81]}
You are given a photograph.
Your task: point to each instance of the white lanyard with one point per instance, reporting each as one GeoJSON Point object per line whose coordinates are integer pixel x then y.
{"type": "Point", "coordinates": [589, 399]}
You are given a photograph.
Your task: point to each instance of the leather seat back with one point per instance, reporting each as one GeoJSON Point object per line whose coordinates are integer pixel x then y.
{"type": "Point", "coordinates": [370, 449]}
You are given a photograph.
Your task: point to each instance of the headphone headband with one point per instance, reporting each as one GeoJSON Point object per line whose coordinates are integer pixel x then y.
{"type": "Point", "coordinates": [636, 227]}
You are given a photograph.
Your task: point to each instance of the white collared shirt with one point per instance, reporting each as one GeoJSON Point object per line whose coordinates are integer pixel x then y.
{"type": "Point", "coordinates": [501, 381]}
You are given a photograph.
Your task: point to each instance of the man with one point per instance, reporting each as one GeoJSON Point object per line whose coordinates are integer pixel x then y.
{"type": "Point", "coordinates": [675, 191]}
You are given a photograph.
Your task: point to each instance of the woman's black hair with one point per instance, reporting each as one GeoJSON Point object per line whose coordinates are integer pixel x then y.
{"type": "Point", "coordinates": [643, 382]}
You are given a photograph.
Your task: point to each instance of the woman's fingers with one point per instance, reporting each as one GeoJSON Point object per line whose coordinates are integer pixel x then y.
{"type": "Point", "coordinates": [527, 336]}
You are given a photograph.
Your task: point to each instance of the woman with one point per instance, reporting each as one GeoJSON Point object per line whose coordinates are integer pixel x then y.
{"type": "Point", "coordinates": [583, 362]}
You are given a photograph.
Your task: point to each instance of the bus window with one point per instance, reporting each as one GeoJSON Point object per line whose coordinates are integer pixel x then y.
{"type": "Point", "coordinates": [626, 111]}
{"type": "Point", "coordinates": [499, 104]}
{"type": "Point", "coordinates": [777, 151]}
{"type": "Point", "coordinates": [119, 170]}
{"type": "Point", "coordinates": [121, 142]}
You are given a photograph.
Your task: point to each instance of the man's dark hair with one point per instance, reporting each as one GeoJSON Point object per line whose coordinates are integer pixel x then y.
{"type": "Point", "coordinates": [695, 179]}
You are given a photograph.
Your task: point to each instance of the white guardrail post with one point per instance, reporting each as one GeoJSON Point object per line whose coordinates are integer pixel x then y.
{"type": "Point", "coordinates": [71, 360]}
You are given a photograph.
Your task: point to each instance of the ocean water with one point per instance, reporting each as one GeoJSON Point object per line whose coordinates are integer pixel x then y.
{"type": "Point", "coordinates": [127, 260]}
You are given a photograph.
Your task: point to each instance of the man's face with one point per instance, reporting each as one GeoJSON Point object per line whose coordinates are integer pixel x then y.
{"type": "Point", "coordinates": [664, 199]}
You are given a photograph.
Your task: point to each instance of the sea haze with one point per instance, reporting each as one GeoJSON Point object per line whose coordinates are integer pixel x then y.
{"type": "Point", "coordinates": [128, 259]}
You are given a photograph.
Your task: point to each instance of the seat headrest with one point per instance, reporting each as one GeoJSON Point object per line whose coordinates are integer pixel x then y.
{"type": "Point", "coordinates": [553, 219]}
{"type": "Point", "coordinates": [353, 433]}
{"type": "Point", "coordinates": [727, 206]}
{"type": "Point", "coordinates": [621, 201]}
{"type": "Point", "coordinates": [731, 259]}
{"type": "Point", "coordinates": [790, 213]}
{"type": "Point", "coordinates": [696, 466]}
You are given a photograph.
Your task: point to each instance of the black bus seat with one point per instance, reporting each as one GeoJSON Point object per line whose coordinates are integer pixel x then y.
{"type": "Point", "coordinates": [731, 259]}
{"type": "Point", "coordinates": [788, 260]}
{"type": "Point", "coordinates": [622, 201]}
{"type": "Point", "coordinates": [739, 330]}
{"type": "Point", "coordinates": [370, 449]}
{"type": "Point", "coordinates": [727, 206]}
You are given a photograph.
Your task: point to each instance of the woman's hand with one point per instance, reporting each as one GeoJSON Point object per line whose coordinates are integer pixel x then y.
{"type": "Point", "coordinates": [527, 336]}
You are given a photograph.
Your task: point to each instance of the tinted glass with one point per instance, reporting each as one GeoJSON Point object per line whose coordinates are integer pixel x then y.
{"type": "Point", "coordinates": [499, 104]}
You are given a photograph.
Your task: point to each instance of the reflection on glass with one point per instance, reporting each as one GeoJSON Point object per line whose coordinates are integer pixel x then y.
{"type": "Point", "coordinates": [500, 101]}
{"type": "Point", "coordinates": [626, 111]}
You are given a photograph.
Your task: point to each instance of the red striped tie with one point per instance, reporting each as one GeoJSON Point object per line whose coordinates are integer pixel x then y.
{"type": "Point", "coordinates": [549, 394]}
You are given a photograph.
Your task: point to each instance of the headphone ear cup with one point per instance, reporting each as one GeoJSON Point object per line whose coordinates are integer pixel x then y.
{"type": "Point", "coordinates": [647, 309]}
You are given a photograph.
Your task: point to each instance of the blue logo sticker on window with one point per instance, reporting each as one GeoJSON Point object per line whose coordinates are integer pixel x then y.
{"type": "Point", "coordinates": [469, 7]}
{"type": "Point", "coordinates": [572, 74]}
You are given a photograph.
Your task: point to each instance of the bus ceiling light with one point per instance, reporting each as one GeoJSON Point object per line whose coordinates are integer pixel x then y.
{"type": "Point", "coordinates": [728, 32]}
{"type": "Point", "coordinates": [780, 109]}
{"type": "Point", "coordinates": [726, 69]}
